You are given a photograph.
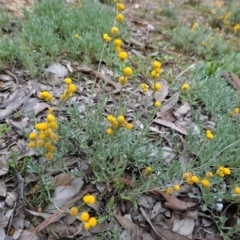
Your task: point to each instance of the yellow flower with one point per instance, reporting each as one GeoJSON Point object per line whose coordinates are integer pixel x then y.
{"type": "Point", "coordinates": [92, 222]}
{"type": "Point", "coordinates": [76, 36]}
{"type": "Point", "coordinates": [106, 38]}
{"type": "Point", "coordinates": [226, 171]}
{"type": "Point", "coordinates": [120, 7]}
{"type": "Point", "coordinates": [109, 131]}
{"type": "Point", "coordinates": [205, 183]}
{"type": "Point", "coordinates": [53, 125]}
{"type": "Point", "coordinates": [169, 191]}
{"type": "Point", "coordinates": [39, 143]}
{"type": "Point", "coordinates": [46, 96]}
{"type": "Point", "coordinates": [177, 187]}
{"type": "Point", "coordinates": [157, 104]}
{"type": "Point", "coordinates": [50, 110]}
{"type": "Point", "coordinates": [117, 42]}
{"type": "Point", "coordinates": [127, 71]}
{"type": "Point", "coordinates": [84, 217]}
{"type": "Point", "coordinates": [194, 179]}
{"type": "Point", "coordinates": [89, 199]}
{"type": "Point", "coordinates": [72, 88]}
{"type": "Point", "coordinates": [32, 135]}
{"type": "Point", "coordinates": [129, 126]}
{"type": "Point", "coordinates": [157, 87]}
{"type": "Point", "coordinates": [41, 126]}
{"type": "Point", "coordinates": [68, 81]}
{"type": "Point", "coordinates": [189, 181]}
{"type": "Point", "coordinates": [31, 144]}
{"type": "Point", "coordinates": [54, 137]}
{"type": "Point", "coordinates": [49, 156]}
{"type": "Point", "coordinates": [237, 190]}
{"type": "Point", "coordinates": [121, 119]}
{"type": "Point", "coordinates": [144, 87]}
{"type": "Point", "coordinates": [122, 55]}
{"type": "Point", "coordinates": [119, 17]}
{"type": "Point", "coordinates": [156, 64]}
{"type": "Point", "coordinates": [149, 169]}
{"type": "Point", "coordinates": [86, 225]}
{"type": "Point", "coordinates": [209, 174]}
{"type": "Point", "coordinates": [50, 117]}
{"type": "Point", "coordinates": [110, 118]}
{"type": "Point", "coordinates": [209, 136]}
{"type": "Point", "coordinates": [187, 175]}
{"type": "Point", "coordinates": [185, 87]}
{"type": "Point", "coordinates": [155, 74]}
{"type": "Point", "coordinates": [114, 30]}
{"type": "Point", "coordinates": [42, 135]}
{"type": "Point", "coordinates": [123, 80]}
{"type": "Point", "coordinates": [73, 211]}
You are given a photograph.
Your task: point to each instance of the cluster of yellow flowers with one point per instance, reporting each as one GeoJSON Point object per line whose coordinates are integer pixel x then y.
{"type": "Point", "coordinates": [120, 121]}
{"type": "Point", "coordinates": [71, 88]}
{"type": "Point", "coordinates": [235, 112]}
{"type": "Point", "coordinates": [194, 27]}
{"type": "Point", "coordinates": [209, 134]}
{"type": "Point", "coordinates": [46, 96]}
{"type": "Point", "coordinates": [223, 171]}
{"type": "Point", "coordinates": [192, 179]}
{"type": "Point", "coordinates": [44, 136]}
{"type": "Point", "coordinates": [84, 216]}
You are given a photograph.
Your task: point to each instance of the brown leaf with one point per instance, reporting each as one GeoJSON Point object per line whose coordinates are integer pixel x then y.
{"type": "Point", "coordinates": [236, 79]}
{"type": "Point", "coordinates": [171, 125]}
{"type": "Point", "coordinates": [128, 225]}
{"type": "Point", "coordinates": [229, 80]}
{"type": "Point", "coordinates": [169, 104]}
{"type": "Point", "coordinates": [173, 202]}
{"type": "Point", "coordinates": [62, 179]}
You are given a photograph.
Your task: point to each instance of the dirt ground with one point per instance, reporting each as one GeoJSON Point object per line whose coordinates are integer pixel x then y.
{"type": "Point", "coordinates": [15, 6]}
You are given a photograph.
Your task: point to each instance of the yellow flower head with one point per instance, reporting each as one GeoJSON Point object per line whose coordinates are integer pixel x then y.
{"type": "Point", "coordinates": [86, 225]}
{"type": "Point", "coordinates": [157, 87]}
{"type": "Point", "coordinates": [109, 131]}
{"type": "Point", "coordinates": [122, 55]}
{"type": "Point", "coordinates": [68, 81]}
{"type": "Point", "coordinates": [185, 87]}
{"type": "Point", "coordinates": [155, 74]}
{"type": "Point", "coordinates": [121, 119]}
{"type": "Point", "coordinates": [156, 64]}
{"type": "Point", "coordinates": [157, 104]}
{"type": "Point", "coordinates": [50, 117]}
{"type": "Point", "coordinates": [187, 175]}
{"type": "Point", "coordinates": [123, 80]}
{"type": "Point", "coordinates": [31, 144]}
{"type": "Point", "coordinates": [144, 87]}
{"type": "Point", "coordinates": [92, 222]}
{"type": "Point", "coordinates": [120, 7]}
{"type": "Point", "coordinates": [127, 71]}
{"type": "Point", "coordinates": [209, 174]}
{"type": "Point", "coordinates": [194, 179]}
{"type": "Point", "coordinates": [226, 171]}
{"type": "Point", "coordinates": [117, 42]}
{"type": "Point", "coordinates": [73, 211]}
{"type": "Point", "coordinates": [49, 156]}
{"type": "Point", "coordinates": [106, 38]}
{"type": "Point", "coordinates": [114, 30]}
{"type": "Point", "coordinates": [205, 183]}
{"type": "Point", "coordinates": [119, 17]}
{"type": "Point", "coordinates": [209, 136]}
{"type": "Point", "coordinates": [32, 135]}
{"type": "Point", "coordinates": [84, 217]}
{"type": "Point", "coordinates": [41, 126]}
{"type": "Point", "coordinates": [169, 191]}
{"type": "Point", "coordinates": [76, 36]}
{"type": "Point", "coordinates": [72, 88]}
{"type": "Point", "coordinates": [129, 126]}
{"type": "Point", "coordinates": [89, 199]}
{"type": "Point", "coordinates": [177, 187]}
{"type": "Point", "coordinates": [237, 190]}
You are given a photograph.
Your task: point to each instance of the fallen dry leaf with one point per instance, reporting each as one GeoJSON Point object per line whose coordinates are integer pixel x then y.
{"type": "Point", "coordinates": [169, 104]}
{"type": "Point", "coordinates": [173, 202]}
{"type": "Point", "coordinates": [129, 226]}
{"type": "Point", "coordinates": [236, 79]}
{"type": "Point", "coordinates": [184, 226]}
{"type": "Point", "coordinates": [161, 95]}
{"type": "Point", "coordinates": [62, 179]}
{"type": "Point", "coordinates": [3, 166]}
{"type": "Point", "coordinates": [182, 110]}
{"type": "Point", "coordinates": [171, 125]}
